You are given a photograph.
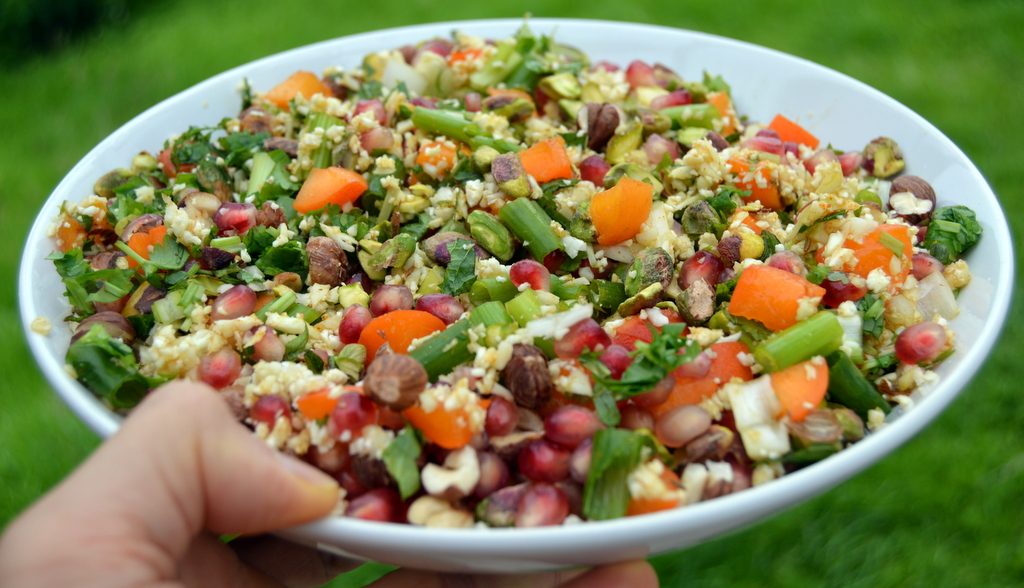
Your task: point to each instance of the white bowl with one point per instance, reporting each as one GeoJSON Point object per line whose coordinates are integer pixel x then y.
{"type": "Point", "coordinates": [839, 109]}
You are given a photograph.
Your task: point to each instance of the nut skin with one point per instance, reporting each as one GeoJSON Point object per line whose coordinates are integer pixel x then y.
{"type": "Point", "coordinates": [105, 260]}
{"type": "Point", "coordinates": [112, 322]}
{"type": "Point", "coordinates": [717, 141]}
{"type": "Point", "coordinates": [652, 265]}
{"type": "Point", "coordinates": [141, 223]}
{"type": "Point", "coordinates": [255, 120]}
{"type": "Point", "coordinates": [289, 146]}
{"type": "Point", "coordinates": [371, 471]}
{"type": "Point", "coordinates": [290, 280]}
{"type": "Point", "coordinates": [601, 121]}
{"type": "Point", "coordinates": [729, 250]}
{"type": "Point", "coordinates": [215, 259]}
{"type": "Point", "coordinates": [921, 190]}
{"type": "Point", "coordinates": [712, 445]}
{"type": "Point", "coordinates": [820, 426]}
{"type": "Point", "coordinates": [526, 376]}
{"type": "Point", "coordinates": [270, 215]}
{"type": "Point", "coordinates": [699, 218]}
{"type": "Point", "coordinates": [327, 262]}
{"type": "Point", "coordinates": [395, 381]}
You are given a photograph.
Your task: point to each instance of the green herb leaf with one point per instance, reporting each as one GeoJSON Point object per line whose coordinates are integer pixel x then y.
{"type": "Point", "coordinates": [400, 460]}
{"type": "Point", "coordinates": [461, 270]}
{"type": "Point", "coordinates": [652, 362]}
{"type": "Point", "coordinates": [296, 346]}
{"type": "Point", "coordinates": [952, 232]}
{"type": "Point", "coordinates": [604, 402]}
{"type": "Point", "coordinates": [169, 255]}
{"type": "Point", "coordinates": [771, 242]}
{"type": "Point", "coordinates": [237, 148]}
{"type": "Point", "coordinates": [817, 274]}
{"type": "Point", "coordinates": [107, 367]}
{"type": "Point", "coordinates": [872, 308]}
{"type": "Point", "coordinates": [290, 257]}
{"type": "Point", "coordinates": [615, 453]}
{"type": "Point", "coordinates": [313, 362]}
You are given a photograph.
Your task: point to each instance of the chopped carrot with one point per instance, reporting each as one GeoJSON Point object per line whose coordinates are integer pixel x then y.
{"type": "Point", "coordinates": [801, 388]}
{"type": "Point", "coordinates": [725, 365]}
{"type": "Point", "coordinates": [460, 55]}
{"type": "Point", "coordinates": [70, 234]}
{"type": "Point", "coordinates": [329, 185]}
{"type": "Point", "coordinates": [619, 212]}
{"type": "Point", "coordinates": [450, 430]}
{"type": "Point", "coordinates": [547, 160]}
{"type": "Point", "coordinates": [316, 405]}
{"type": "Point", "coordinates": [142, 242]}
{"type": "Point", "coordinates": [398, 329]}
{"type": "Point", "coordinates": [771, 296]}
{"type": "Point", "coordinates": [639, 506]}
{"type": "Point", "coordinates": [436, 158]}
{"type": "Point", "coordinates": [302, 83]}
{"type": "Point", "coordinates": [723, 104]}
{"type": "Point", "coordinates": [790, 131]}
{"type": "Point", "coordinates": [750, 221]}
{"type": "Point", "coordinates": [768, 194]}
{"type": "Point", "coordinates": [873, 254]}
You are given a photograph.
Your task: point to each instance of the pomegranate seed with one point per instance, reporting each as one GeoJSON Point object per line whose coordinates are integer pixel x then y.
{"type": "Point", "coordinates": [926, 265]}
{"type": "Point", "coordinates": [530, 272]}
{"type": "Point", "coordinates": [593, 169]}
{"type": "Point", "coordinates": [353, 322]}
{"type": "Point", "coordinates": [656, 395]}
{"type": "Point", "coordinates": [408, 53]}
{"type": "Point", "coordinates": [634, 418]}
{"type": "Point", "coordinates": [787, 261]}
{"type": "Point", "coordinates": [542, 505]}
{"type": "Point", "coordinates": [698, 367]}
{"type": "Point", "coordinates": [387, 298]}
{"type": "Point", "coordinates": [353, 412]}
{"type": "Point", "coordinates": [442, 47]}
{"type": "Point", "coordinates": [268, 408]}
{"type": "Point", "coordinates": [473, 101]}
{"type": "Point", "coordinates": [220, 369]}
{"type": "Point", "coordinates": [445, 307]}
{"type": "Point", "coordinates": [380, 504]}
{"type": "Point", "coordinates": [378, 139]}
{"type": "Point", "coordinates": [571, 425]}
{"type": "Point", "coordinates": [617, 359]}
{"type": "Point", "coordinates": [543, 461]}
{"type": "Point", "coordinates": [579, 461]}
{"type": "Point", "coordinates": [741, 477]}
{"type": "Point", "coordinates": [494, 474]}
{"type": "Point", "coordinates": [332, 461]}
{"type": "Point", "coordinates": [850, 161]}
{"type": "Point", "coordinates": [840, 290]}
{"type": "Point", "coordinates": [769, 133]}
{"type": "Point", "coordinates": [704, 265]}
{"type": "Point", "coordinates": [553, 261]}
{"type": "Point", "coordinates": [791, 147]}
{"type": "Point", "coordinates": [236, 301]}
{"type": "Point", "coordinates": [353, 487]}
{"type": "Point", "coordinates": [764, 144]}
{"type": "Point", "coordinates": [235, 218]}
{"type": "Point", "coordinates": [269, 347]}
{"type": "Point", "coordinates": [586, 334]}
{"type": "Point", "coordinates": [374, 106]}
{"type": "Point", "coordinates": [639, 73]}
{"type": "Point", "coordinates": [424, 102]}
{"type": "Point", "coordinates": [680, 97]}
{"type": "Point", "coordinates": [819, 157]}
{"type": "Point", "coordinates": [681, 425]}
{"type": "Point", "coordinates": [502, 417]}
{"type": "Point", "coordinates": [604, 66]}
{"type": "Point", "coordinates": [921, 343]}
{"type": "Point", "coordinates": [657, 147]}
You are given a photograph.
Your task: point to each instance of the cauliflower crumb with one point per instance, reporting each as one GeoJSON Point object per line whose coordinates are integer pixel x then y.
{"type": "Point", "coordinates": [41, 325]}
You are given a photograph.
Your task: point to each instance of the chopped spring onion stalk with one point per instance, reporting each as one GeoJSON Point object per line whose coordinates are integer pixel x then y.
{"type": "Point", "coordinates": [285, 299]}
{"type": "Point", "coordinates": [229, 244]}
{"type": "Point", "coordinates": [441, 353]}
{"type": "Point", "coordinates": [322, 157]}
{"type": "Point", "coordinates": [532, 225]}
{"type": "Point", "coordinates": [849, 387]}
{"type": "Point", "coordinates": [615, 453]}
{"type": "Point", "coordinates": [455, 126]}
{"type": "Point", "coordinates": [525, 307]}
{"type": "Point", "coordinates": [486, 289]}
{"type": "Point", "coordinates": [489, 314]}
{"type": "Point", "coordinates": [565, 290]}
{"type": "Point", "coordinates": [692, 115]}
{"type": "Point", "coordinates": [820, 334]}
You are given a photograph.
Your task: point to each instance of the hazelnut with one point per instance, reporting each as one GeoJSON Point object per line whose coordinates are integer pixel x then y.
{"type": "Point", "coordinates": [714, 444]}
{"type": "Point", "coordinates": [327, 262]}
{"type": "Point", "coordinates": [395, 380]}
{"type": "Point", "coordinates": [526, 376]}
{"type": "Point", "coordinates": [912, 199]}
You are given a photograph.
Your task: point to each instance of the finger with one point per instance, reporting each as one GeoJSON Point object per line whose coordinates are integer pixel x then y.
{"type": "Point", "coordinates": [635, 574]}
{"type": "Point", "coordinates": [208, 562]}
{"type": "Point", "coordinates": [420, 579]}
{"type": "Point", "coordinates": [291, 564]}
{"type": "Point", "coordinates": [179, 464]}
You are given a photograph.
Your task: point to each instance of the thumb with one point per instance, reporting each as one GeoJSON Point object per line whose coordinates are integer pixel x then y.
{"type": "Point", "coordinates": [181, 464]}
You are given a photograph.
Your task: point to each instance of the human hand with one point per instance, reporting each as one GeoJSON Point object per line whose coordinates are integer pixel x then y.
{"type": "Point", "coordinates": [146, 509]}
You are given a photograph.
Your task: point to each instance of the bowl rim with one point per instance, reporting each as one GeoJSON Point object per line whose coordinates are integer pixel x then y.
{"type": "Point", "coordinates": [777, 495]}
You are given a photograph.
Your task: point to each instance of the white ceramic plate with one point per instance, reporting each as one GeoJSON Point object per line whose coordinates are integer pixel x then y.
{"type": "Point", "coordinates": [843, 111]}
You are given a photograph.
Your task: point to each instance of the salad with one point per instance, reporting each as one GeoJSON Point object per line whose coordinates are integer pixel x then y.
{"type": "Point", "coordinates": [491, 283]}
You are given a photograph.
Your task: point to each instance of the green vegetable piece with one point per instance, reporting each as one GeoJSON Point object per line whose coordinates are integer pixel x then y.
{"type": "Point", "coordinates": [849, 387]}
{"type": "Point", "coordinates": [461, 270]}
{"type": "Point", "coordinates": [564, 289]}
{"type": "Point", "coordinates": [952, 232]}
{"type": "Point", "coordinates": [621, 144]}
{"type": "Point", "coordinates": [645, 298]}
{"type": "Point", "coordinates": [352, 295]}
{"type": "Point", "coordinates": [488, 231]}
{"type": "Point", "coordinates": [392, 254]}
{"type": "Point", "coordinates": [351, 360]}
{"type": "Point", "coordinates": [443, 352]}
{"type": "Point", "coordinates": [690, 135]}
{"type": "Point", "coordinates": [525, 307]}
{"type": "Point", "coordinates": [400, 460]}
{"type": "Point", "coordinates": [615, 453]}
{"type": "Point", "coordinates": [510, 175]}
{"type": "Point", "coordinates": [486, 289]}
{"type": "Point", "coordinates": [581, 226]}
{"type": "Point", "coordinates": [634, 171]}
{"type": "Point", "coordinates": [693, 115]}
{"type": "Point", "coordinates": [490, 314]}
{"type": "Point", "coordinates": [169, 255]}
{"type": "Point", "coordinates": [868, 197]}
{"type": "Point", "coordinates": [651, 266]}
{"type": "Point", "coordinates": [570, 108]}
{"type": "Point", "coordinates": [820, 334]}
{"type": "Point", "coordinates": [511, 107]}
{"type": "Point", "coordinates": [562, 85]}
{"type": "Point", "coordinates": [883, 158]}
{"type": "Point", "coordinates": [322, 156]}
{"type": "Point", "coordinates": [296, 345]}
{"type": "Point", "coordinates": [107, 367]}
{"type": "Point", "coordinates": [810, 454]}
{"type": "Point", "coordinates": [607, 295]}
{"type": "Point", "coordinates": [528, 221]}
{"type": "Point", "coordinates": [290, 257]}
{"type": "Point", "coordinates": [497, 67]}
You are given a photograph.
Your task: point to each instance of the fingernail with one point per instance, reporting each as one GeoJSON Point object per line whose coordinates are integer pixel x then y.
{"type": "Point", "coordinates": [304, 471]}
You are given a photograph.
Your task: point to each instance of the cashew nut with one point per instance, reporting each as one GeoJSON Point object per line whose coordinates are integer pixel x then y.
{"type": "Point", "coordinates": [457, 478]}
{"type": "Point", "coordinates": [428, 511]}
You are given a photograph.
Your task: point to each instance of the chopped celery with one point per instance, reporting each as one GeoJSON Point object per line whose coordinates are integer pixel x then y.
{"type": "Point", "coordinates": [616, 453]}
{"type": "Point", "coordinates": [490, 313]}
{"type": "Point", "coordinates": [528, 221]}
{"type": "Point", "coordinates": [284, 301]}
{"type": "Point", "coordinates": [486, 289]}
{"type": "Point", "coordinates": [497, 67]}
{"type": "Point", "coordinates": [442, 352]}
{"type": "Point", "coordinates": [230, 244]}
{"type": "Point", "coordinates": [525, 307]}
{"type": "Point", "coordinates": [692, 115]}
{"type": "Point", "coordinates": [820, 334]}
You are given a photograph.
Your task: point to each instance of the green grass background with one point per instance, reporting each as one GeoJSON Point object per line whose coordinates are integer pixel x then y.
{"type": "Point", "coordinates": [945, 510]}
